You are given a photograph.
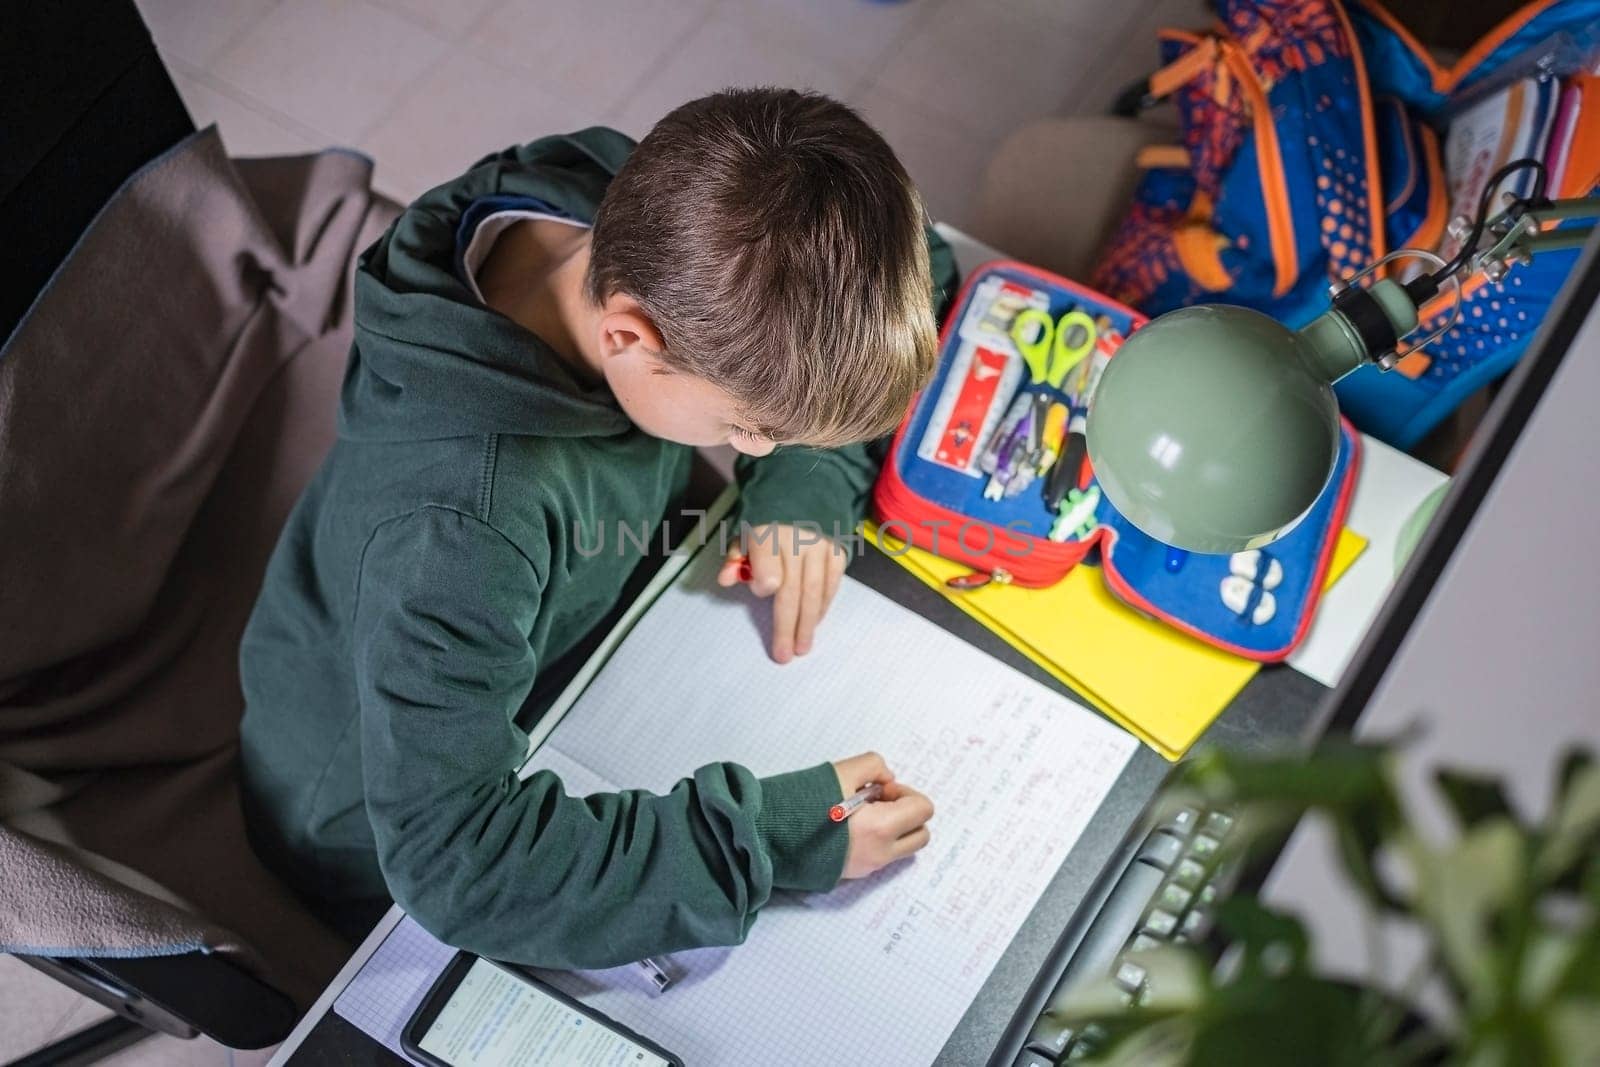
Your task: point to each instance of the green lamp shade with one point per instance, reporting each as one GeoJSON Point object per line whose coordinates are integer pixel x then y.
{"type": "Point", "coordinates": [1214, 428]}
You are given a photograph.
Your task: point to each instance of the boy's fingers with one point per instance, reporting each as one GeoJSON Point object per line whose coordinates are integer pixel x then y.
{"type": "Point", "coordinates": [905, 814]}
{"type": "Point", "coordinates": [785, 613]}
{"type": "Point", "coordinates": [766, 573]}
{"type": "Point", "coordinates": [893, 790]}
{"type": "Point", "coordinates": [857, 771]}
{"type": "Point", "coordinates": [912, 842]}
{"type": "Point", "coordinates": [729, 573]}
{"type": "Point", "coordinates": [812, 582]}
{"type": "Point", "coordinates": [831, 576]}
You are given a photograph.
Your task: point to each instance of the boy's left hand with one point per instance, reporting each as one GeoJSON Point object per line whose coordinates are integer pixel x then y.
{"type": "Point", "coordinates": [800, 569]}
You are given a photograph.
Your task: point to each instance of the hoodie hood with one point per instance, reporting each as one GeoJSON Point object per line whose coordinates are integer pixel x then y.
{"type": "Point", "coordinates": [429, 360]}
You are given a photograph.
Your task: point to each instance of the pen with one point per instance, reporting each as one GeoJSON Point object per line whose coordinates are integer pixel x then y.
{"type": "Point", "coordinates": [845, 808]}
{"type": "Point", "coordinates": [654, 971]}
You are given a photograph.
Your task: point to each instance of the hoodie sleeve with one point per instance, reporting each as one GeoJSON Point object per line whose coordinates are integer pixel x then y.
{"type": "Point", "coordinates": [518, 870]}
{"type": "Point", "coordinates": [829, 487]}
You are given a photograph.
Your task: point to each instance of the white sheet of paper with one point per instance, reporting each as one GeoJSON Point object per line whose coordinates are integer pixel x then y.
{"type": "Point", "coordinates": [889, 963]}
{"type": "Point", "coordinates": [881, 968]}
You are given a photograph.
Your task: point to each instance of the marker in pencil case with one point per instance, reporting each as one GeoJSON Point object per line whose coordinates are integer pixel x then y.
{"type": "Point", "coordinates": [846, 807]}
{"type": "Point", "coordinates": [657, 974]}
{"type": "Point", "coordinates": [1068, 471]}
{"type": "Point", "coordinates": [1055, 432]}
{"type": "Point", "coordinates": [1019, 408]}
{"type": "Point", "coordinates": [1008, 463]}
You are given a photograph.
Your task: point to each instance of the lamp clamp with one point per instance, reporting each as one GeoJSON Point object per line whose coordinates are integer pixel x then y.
{"type": "Point", "coordinates": [1386, 346]}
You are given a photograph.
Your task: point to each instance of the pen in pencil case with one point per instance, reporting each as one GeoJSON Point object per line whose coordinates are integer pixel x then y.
{"type": "Point", "coordinates": [845, 808]}
{"type": "Point", "coordinates": [658, 976]}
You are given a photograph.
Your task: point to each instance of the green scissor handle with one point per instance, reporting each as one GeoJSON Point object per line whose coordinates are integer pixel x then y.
{"type": "Point", "coordinates": [1052, 347]}
{"type": "Point", "coordinates": [1034, 332]}
{"type": "Point", "coordinates": [1075, 337]}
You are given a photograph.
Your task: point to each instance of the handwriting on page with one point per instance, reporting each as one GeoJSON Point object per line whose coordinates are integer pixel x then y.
{"type": "Point", "coordinates": [1015, 772]}
{"type": "Point", "coordinates": [979, 881]}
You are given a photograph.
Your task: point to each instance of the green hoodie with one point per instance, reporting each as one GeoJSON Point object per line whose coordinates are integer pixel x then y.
{"type": "Point", "coordinates": [429, 572]}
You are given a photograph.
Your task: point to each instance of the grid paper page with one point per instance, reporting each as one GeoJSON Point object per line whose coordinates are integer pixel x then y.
{"type": "Point", "coordinates": [385, 993]}
{"type": "Point", "coordinates": [882, 968]}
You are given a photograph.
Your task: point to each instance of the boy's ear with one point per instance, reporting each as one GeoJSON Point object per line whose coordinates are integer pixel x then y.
{"type": "Point", "coordinates": [624, 325]}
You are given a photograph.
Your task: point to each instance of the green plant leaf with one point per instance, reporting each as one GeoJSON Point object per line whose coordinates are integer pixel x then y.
{"type": "Point", "coordinates": [1268, 795]}
{"type": "Point", "coordinates": [1546, 961]}
{"type": "Point", "coordinates": [1273, 943]}
{"type": "Point", "coordinates": [1582, 977]}
{"type": "Point", "coordinates": [1299, 1020]}
{"type": "Point", "coordinates": [1472, 797]}
{"type": "Point", "coordinates": [1573, 1028]}
{"type": "Point", "coordinates": [1572, 761]}
{"type": "Point", "coordinates": [1459, 889]}
{"type": "Point", "coordinates": [1178, 981]}
{"type": "Point", "coordinates": [1158, 1043]}
{"type": "Point", "coordinates": [1574, 824]}
{"type": "Point", "coordinates": [1177, 978]}
{"type": "Point", "coordinates": [1339, 774]}
{"type": "Point", "coordinates": [1361, 834]}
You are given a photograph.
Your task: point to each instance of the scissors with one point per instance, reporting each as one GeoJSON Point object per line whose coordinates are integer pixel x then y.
{"type": "Point", "coordinates": [1052, 347]}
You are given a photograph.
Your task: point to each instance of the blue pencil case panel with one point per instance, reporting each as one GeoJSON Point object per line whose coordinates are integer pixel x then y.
{"type": "Point", "coordinates": [922, 473]}
{"type": "Point", "coordinates": [932, 491]}
{"type": "Point", "coordinates": [1255, 604]}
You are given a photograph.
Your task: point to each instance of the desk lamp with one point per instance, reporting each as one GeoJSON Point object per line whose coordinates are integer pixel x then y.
{"type": "Point", "coordinates": [1215, 428]}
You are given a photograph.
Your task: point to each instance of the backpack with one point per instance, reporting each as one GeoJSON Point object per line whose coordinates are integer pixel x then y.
{"type": "Point", "coordinates": [1276, 189]}
{"type": "Point", "coordinates": [1311, 147]}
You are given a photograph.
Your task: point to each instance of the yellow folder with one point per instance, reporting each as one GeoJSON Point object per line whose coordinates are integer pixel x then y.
{"type": "Point", "coordinates": [1164, 686]}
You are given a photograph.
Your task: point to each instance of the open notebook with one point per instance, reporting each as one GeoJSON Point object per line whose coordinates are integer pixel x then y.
{"type": "Point", "coordinates": [881, 968]}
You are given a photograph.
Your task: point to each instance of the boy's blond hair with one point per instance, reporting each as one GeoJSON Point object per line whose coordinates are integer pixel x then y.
{"type": "Point", "coordinates": [777, 244]}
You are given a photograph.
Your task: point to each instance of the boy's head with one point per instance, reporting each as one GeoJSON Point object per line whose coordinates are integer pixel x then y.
{"type": "Point", "coordinates": [763, 276]}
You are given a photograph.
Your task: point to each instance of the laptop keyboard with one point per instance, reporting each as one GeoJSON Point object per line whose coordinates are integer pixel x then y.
{"type": "Point", "coordinates": [1167, 895]}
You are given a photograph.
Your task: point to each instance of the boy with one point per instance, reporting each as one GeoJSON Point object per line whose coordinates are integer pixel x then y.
{"type": "Point", "coordinates": [537, 343]}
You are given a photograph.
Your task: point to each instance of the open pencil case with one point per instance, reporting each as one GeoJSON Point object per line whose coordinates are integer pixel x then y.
{"type": "Point", "coordinates": [981, 472]}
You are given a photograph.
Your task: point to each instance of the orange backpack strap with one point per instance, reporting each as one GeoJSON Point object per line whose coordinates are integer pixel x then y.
{"type": "Point", "coordinates": [1162, 157]}
{"type": "Point", "coordinates": [1183, 70]}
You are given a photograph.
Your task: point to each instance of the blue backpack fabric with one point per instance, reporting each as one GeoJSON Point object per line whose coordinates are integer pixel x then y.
{"type": "Point", "coordinates": [1498, 320]}
{"type": "Point", "coordinates": [1401, 67]}
{"type": "Point", "coordinates": [1311, 136]}
{"type": "Point", "coordinates": [1279, 189]}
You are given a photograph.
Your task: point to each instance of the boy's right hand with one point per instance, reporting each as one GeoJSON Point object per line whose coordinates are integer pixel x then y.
{"type": "Point", "coordinates": [888, 829]}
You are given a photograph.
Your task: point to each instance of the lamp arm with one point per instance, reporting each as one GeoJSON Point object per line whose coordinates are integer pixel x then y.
{"type": "Point", "coordinates": [1369, 325]}
{"type": "Point", "coordinates": [1520, 235]}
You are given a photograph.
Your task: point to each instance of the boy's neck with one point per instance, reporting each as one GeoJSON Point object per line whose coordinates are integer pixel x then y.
{"type": "Point", "coordinates": [534, 276]}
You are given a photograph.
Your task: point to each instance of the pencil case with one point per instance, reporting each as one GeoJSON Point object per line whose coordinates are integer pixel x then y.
{"type": "Point", "coordinates": [971, 478]}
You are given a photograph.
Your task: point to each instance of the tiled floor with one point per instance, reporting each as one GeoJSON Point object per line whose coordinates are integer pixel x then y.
{"type": "Point", "coordinates": [427, 86]}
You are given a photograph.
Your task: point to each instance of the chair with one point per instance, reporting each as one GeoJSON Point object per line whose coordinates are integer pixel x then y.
{"type": "Point", "coordinates": [228, 952]}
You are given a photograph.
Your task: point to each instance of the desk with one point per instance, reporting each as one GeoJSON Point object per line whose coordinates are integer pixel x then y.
{"type": "Point", "coordinates": [1277, 705]}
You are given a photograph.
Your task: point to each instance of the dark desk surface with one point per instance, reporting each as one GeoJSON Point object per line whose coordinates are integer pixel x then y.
{"type": "Point", "coordinates": [1276, 705]}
